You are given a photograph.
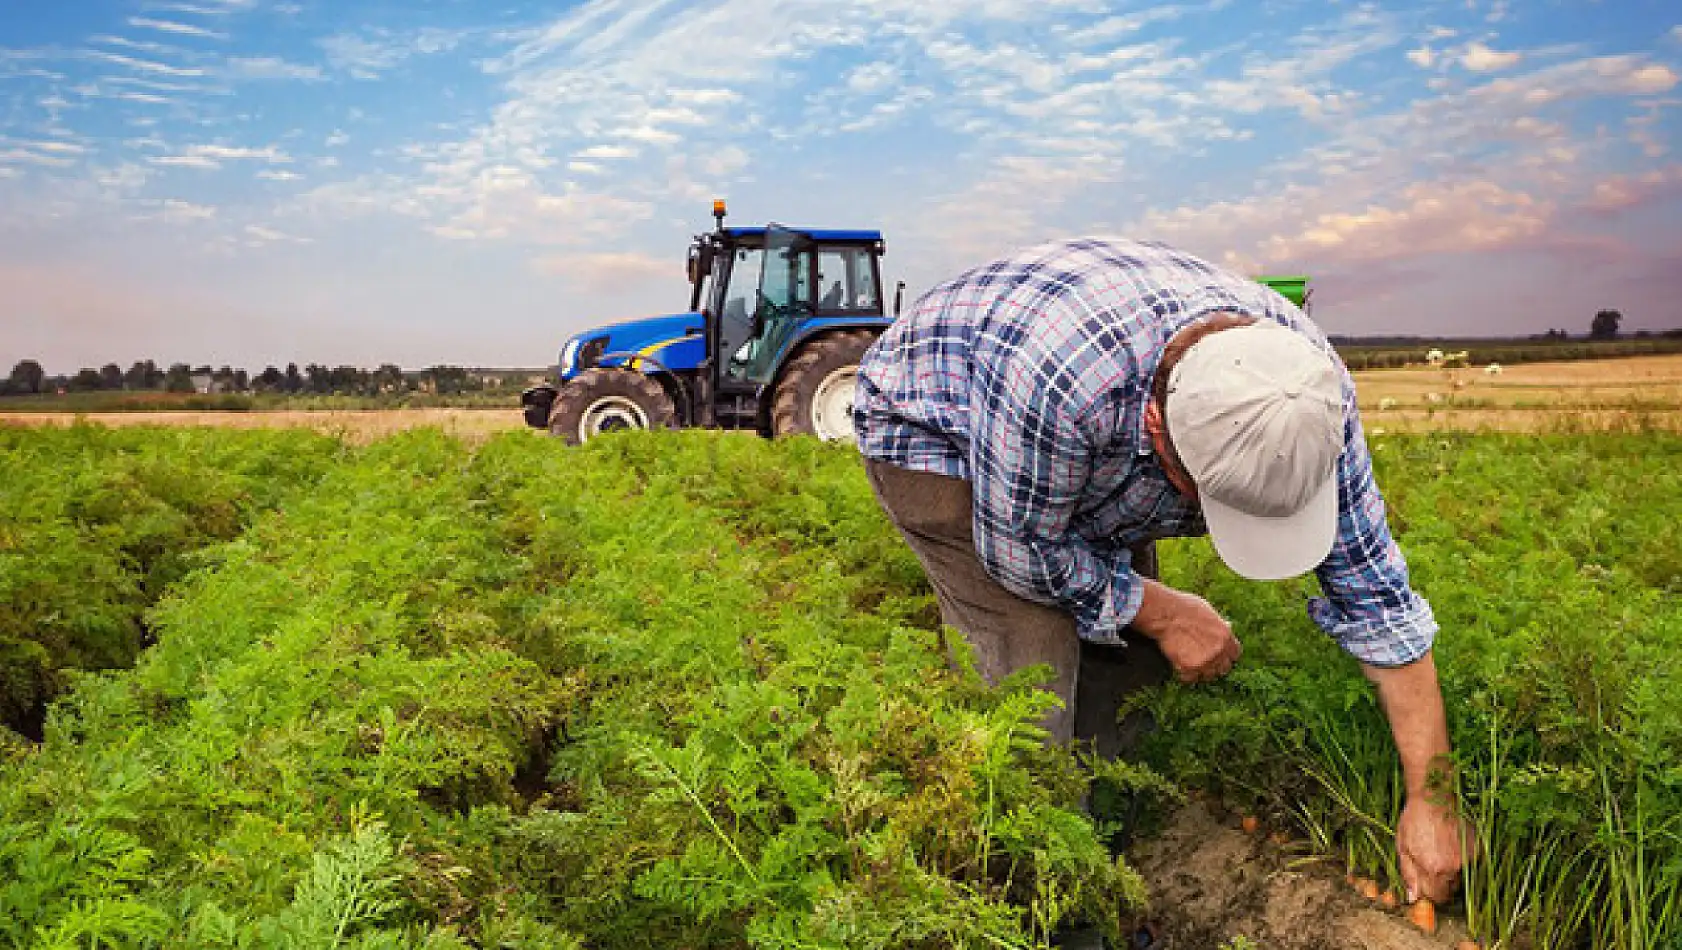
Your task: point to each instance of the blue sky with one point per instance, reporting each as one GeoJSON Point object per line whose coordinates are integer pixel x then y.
{"type": "Point", "coordinates": [258, 181]}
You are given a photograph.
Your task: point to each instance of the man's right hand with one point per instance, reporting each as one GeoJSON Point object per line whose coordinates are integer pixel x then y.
{"type": "Point", "coordinates": [1197, 641]}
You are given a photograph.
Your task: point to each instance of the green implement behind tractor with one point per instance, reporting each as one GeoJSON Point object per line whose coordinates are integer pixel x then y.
{"type": "Point", "coordinates": [1294, 288]}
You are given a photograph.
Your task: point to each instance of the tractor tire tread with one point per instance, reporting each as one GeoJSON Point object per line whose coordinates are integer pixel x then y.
{"type": "Point", "coordinates": [593, 384]}
{"type": "Point", "coordinates": [790, 414]}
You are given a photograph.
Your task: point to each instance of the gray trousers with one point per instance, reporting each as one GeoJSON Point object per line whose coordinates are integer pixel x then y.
{"type": "Point", "coordinates": [934, 514]}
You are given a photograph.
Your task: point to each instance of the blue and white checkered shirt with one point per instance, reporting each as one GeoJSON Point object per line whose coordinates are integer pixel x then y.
{"type": "Point", "coordinates": [1028, 377]}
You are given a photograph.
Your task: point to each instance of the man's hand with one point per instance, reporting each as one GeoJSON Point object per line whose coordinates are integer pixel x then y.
{"type": "Point", "coordinates": [1197, 641]}
{"type": "Point", "coordinates": [1428, 842]}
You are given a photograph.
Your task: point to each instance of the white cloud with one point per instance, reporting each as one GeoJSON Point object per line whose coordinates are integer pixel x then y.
{"type": "Point", "coordinates": [366, 56]}
{"type": "Point", "coordinates": [171, 26]}
{"type": "Point", "coordinates": [336, 139]}
{"type": "Point", "coordinates": [1481, 59]}
{"type": "Point", "coordinates": [608, 273]}
{"type": "Point", "coordinates": [1622, 192]}
{"type": "Point", "coordinates": [206, 7]}
{"type": "Point", "coordinates": [1422, 57]}
{"type": "Point", "coordinates": [211, 157]}
{"type": "Point", "coordinates": [278, 174]}
{"type": "Point", "coordinates": [608, 152]}
{"type": "Point", "coordinates": [144, 65]}
{"type": "Point", "coordinates": [23, 156]}
{"type": "Point", "coordinates": [269, 67]}
{"type": "Point", "coordinates": [177, 211]}
{"type": "Point", "coordinates": [144, 46]}
{"type": "Point", "coordinates": [185, 161]}
{"type": "Point", "coordinates": [872, 78]}
{"type": "Point", "coordinates": [258, 235]}
{"type": "Point", "coordinates": [234, 153]}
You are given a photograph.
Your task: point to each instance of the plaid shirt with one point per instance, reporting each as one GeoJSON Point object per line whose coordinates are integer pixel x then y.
{"type": "Point", "coordinates": [1028, 377]}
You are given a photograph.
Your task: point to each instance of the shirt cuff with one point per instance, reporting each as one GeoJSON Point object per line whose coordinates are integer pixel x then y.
{"type": "Point", "coordinates": [1395, 638]}
{"type": "Point", "coordinates": [1118, 608]}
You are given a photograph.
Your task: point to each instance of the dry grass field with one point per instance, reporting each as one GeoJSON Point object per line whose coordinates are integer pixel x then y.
{"type": "Point", "coordinates": [1639, 392]}
{"type": "Point", "coordinates": [1632, 392]}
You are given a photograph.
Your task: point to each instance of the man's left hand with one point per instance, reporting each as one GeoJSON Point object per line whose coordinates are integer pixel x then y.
{"type": "Point", "coordinates": [1429, 840]}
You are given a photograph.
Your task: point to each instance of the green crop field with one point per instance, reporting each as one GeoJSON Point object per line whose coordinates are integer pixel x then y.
{"type": "Point", "coordinates": [279, 689]}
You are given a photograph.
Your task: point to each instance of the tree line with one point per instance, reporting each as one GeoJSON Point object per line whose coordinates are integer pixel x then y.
{"type": "Point", "coordinates": [28, 377]}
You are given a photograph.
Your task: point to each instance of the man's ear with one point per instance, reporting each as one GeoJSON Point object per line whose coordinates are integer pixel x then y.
{"type": "Point", "coordinates": [1153, 421]}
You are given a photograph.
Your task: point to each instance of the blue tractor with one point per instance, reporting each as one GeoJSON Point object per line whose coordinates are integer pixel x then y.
{"type": "Point", "coordinates": [778, 320]}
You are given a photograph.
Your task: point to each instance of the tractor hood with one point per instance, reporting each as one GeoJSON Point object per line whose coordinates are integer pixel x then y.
{"type": "Point", "coordinates": [673, 341]}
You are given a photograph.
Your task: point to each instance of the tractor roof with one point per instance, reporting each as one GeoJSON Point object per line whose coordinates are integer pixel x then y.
{"type": "Point", "coordinates": [821, 235]}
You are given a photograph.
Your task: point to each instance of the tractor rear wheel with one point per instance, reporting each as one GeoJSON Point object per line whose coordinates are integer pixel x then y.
{"type": "Point", "coordinates": [605, 400]}
{"type": "Point", "coordinates": [815, 394]}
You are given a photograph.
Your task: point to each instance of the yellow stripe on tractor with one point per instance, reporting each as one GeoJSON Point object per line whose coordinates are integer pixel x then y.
{"type": "Point", "coordinates": [652, 349]}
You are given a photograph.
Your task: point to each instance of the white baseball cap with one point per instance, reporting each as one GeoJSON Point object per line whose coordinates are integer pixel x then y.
{"type": "Point", "coordinates": [1256, 416]}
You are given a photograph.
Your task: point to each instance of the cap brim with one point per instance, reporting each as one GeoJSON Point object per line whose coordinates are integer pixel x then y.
{"type": "Point", "coordinates": [1271, 549]}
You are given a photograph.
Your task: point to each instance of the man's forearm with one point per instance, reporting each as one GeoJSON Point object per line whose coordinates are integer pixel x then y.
{"type": "Point", "coordinates": [1413, 702]}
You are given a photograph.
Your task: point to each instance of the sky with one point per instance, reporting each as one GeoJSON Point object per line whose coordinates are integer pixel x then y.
{"type": "Point", "coordinates": [360, 181]}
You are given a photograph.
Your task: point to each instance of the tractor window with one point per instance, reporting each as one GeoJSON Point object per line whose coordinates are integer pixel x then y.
{"type": "Point", "coordinates": [847, 281]}
{"type": "Point", "coordinates": [738, 299]}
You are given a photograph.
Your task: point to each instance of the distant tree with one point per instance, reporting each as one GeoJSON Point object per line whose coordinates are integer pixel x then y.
{"type": "Point", "coordinates": [241, 380]}
{"type": "Point", "coordinates": [1605, 325]}
{"type": "Point", "coordinates": [204, 370]}
{"type": "Point", "coordinates": [111, 376]}
{"type": "Point", "coordinates": [139, 376]}
{"type": "Point", "coordinates": [388, 378]}
{"type": "Point", "coordinates": [86, 380]}
{"type": "Point", "coordinates": [179, 378]}
{"type": "Point", "coordinates": [320, 378]}
{"type": "Point", "coordinates": [27, 377]}
{"type": "Point", "coordinates": [294, 381]}
{"type": "Point", "coordinates": [271, 379]}
{"type": "Point", "coordinates": [447, 379]}
{"type": "Point", "coordinates": [347, 380]}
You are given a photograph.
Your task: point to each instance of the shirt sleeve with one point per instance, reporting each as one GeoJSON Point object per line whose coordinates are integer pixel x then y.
{"type": "Point", "coordinates": [1030, 462]}
{"type": "Point", "coordinates": [1367, 603]}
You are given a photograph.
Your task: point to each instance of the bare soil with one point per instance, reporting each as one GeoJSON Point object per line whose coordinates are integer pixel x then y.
{"type": "Point", "coordinates": [1211, 883]}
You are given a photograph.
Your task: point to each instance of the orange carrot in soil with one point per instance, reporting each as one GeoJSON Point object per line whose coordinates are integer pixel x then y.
{"type": "Point", "coordinates": [1368, 888]}
{"type": "Point", "coordinates": [1468, 945]}
{"type": "Point", "coordinates": [1423, 914]}
{"type": "Point", "coordinates": [1388, 899]}
{"type": "Point", "coordinates": [1250, 824]}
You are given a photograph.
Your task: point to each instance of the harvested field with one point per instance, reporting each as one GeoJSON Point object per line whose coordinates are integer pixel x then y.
{"type": "Point", "coordinates": [356, 425]}
{"type": "Point", "coordinates": [1589, 395]}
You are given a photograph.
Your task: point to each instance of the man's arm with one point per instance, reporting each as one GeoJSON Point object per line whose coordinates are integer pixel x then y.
{"type": "Point", "coordinates": [1370, 607]}
{"type": "Point", "coordinates": [1428, 836]}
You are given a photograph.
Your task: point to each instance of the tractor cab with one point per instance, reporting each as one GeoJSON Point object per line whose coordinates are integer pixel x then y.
{"type": "Point", "coordinates": [767, 289]}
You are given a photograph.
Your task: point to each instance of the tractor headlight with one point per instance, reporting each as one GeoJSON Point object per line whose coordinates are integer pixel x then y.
{"type": "Point", "coordinates": [569, 353]}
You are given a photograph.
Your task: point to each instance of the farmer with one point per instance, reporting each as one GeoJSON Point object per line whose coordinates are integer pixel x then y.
{"type": "Point", "coordinates": [1033, 424]}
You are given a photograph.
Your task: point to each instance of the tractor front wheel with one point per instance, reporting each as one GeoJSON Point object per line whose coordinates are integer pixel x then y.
{"type": "Point", "coordinates": [605, 400]}
{"type": "Point", "coordinates": [815, 395]}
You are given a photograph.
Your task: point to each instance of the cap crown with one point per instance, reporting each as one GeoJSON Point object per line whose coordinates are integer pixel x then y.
{"type": "Point", "coordinates": [1256, 416]}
